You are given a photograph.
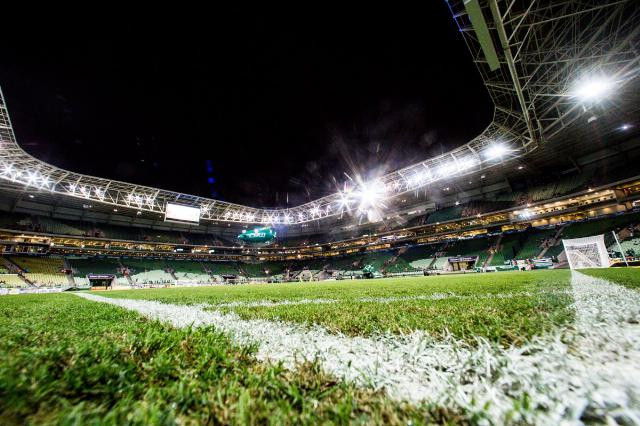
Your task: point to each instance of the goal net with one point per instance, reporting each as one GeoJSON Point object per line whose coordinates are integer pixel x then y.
{"type": "Point", "coordinates": [587, 252]}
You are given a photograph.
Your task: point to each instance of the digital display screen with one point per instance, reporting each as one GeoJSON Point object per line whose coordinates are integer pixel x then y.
{"type": "Point", "coordinates": [181, 213]}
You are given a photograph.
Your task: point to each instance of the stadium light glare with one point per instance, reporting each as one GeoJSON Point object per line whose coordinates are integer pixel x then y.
{"type": "Point", "coordinates": [345, 200]}
{"type": "Point", "coordinates": [315, 211]}
{"type": "Point", "coordinates": [412, 181]}
{"type": "Point", "coordinates": [44, 182]}
{"type": "Point", "coordinates": [418, 179]}
{"type": "Point", "coordinates": [31, 177]}
{"type": "Point", "coordinates": [593, 89]}
{"type": "Point", "coordinates": [496, 151]}
{"type": "Point", "coordinates": [369, 195]}
{"type": "Point", "coordinates": [424, 176]}
{"type": "Point", "coordinates": [446, 169]}
{"type": "Point", "coordinates": [466, 163]}
{"type": "Point", "coordinates": [526, 214]}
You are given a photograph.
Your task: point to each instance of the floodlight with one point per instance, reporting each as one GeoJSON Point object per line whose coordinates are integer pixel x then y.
{"type": "Point", "coordinates": [625, 127]}
{"type": "Point", "coordinates": [497, 150]}
{"type": "Point", "coordinates": [370, 194]}
{"type": "Point", "coordinates": [526, 214]}
{"type": "Point", "coordinates": [345, 200]}
{"type": "Point", "coordinates": [424, 176]}
{"type": "Point", "coordinates": [593, 89]}
{"type": "Point", "coordinates": [44, 181]}
{"type": "Point", "coordinates": [446, 169]}
{"type": "Point", "coordinates": [31, 177]}
{"type": "Point", "coordinates": [466, 163]}
{"type": "Point", "coordinates": [413, 181]}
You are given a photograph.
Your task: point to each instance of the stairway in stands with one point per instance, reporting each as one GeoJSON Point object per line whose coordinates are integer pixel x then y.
{"type": "Point", "coordinates": [553, 243]}
{"type": "Point", "coordinates": [67, 266]}
{"type": "Point", "coordinates": [490, 257]}
{"type": "Point", "coordinates": [13, 268]}
{"type": "Point", "coordinates": [129, 280]}
{"type": "Point", "coordinates": [171, 271]}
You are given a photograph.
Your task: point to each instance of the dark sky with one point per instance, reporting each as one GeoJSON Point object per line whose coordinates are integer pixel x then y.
{"type": "Point", "coordinates": [277, 103]}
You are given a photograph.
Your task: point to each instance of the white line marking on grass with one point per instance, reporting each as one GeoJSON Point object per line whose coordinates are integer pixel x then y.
{"type": "Point", "coordinates": [432, 296]}
{"type": "Point", "coordinates": [271, 303]}
{"type": "Point", "coordinates": [589, 369]}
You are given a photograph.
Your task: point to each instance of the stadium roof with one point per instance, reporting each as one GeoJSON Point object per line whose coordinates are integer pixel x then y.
{"type": "Point", "coordinates": [553, 90]}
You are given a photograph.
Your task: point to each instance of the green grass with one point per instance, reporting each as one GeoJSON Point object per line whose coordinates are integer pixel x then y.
{"type": "Point", "coordinates": [628, 277]}
{"type": "Point", "coordinates": [502, 320]}
{"type": "Point", "coordinates": [66, 360]}
{"type": "Point", "coordinates": [469, 284]}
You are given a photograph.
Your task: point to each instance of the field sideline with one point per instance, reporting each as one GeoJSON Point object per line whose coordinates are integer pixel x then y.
{"type": "Point", "coordinates": [381, 351]}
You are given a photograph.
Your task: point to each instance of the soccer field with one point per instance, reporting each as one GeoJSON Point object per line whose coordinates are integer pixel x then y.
{"type": "Point", "coordinates": [505, 307]}
{"type": "Point", "coordinates": [532, 347]}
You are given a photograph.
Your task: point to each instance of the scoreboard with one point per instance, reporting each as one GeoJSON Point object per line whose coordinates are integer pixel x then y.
{"type": "Point", "coordinates": [182, 214]}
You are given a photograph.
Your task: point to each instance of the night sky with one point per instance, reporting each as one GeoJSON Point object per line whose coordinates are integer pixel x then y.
{"type": "Point", "coordinates": [247, 105]}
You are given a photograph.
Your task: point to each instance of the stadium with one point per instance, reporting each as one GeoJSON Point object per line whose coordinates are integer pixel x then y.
{"type": "Point", "coordinates": [494, 283]}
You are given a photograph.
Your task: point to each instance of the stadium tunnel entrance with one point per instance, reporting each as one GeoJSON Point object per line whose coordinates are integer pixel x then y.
{"type": "Point", "coordinates": [463, 263]}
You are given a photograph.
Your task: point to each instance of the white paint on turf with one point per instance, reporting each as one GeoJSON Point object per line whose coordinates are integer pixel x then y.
{"type": "Point", "coordinates": [432, 296]}
{"type": "Point", "coordinates": [589, 370]}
